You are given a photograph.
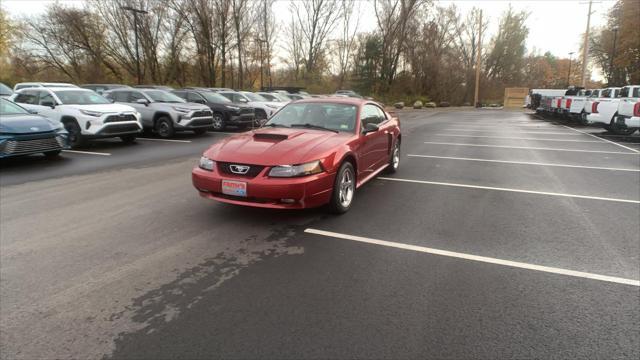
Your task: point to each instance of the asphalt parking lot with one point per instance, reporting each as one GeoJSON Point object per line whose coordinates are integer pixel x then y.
{"type": "Point", "coordinates": [502, 235]}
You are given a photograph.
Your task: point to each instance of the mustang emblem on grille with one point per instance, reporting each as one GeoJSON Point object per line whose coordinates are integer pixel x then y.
{"type": "Point", "coordinates": [239, 169]}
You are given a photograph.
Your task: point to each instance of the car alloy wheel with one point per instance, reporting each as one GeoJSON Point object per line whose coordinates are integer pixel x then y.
{"type": "Point", "coordinates": [346, 188]}
{"type": "Point", "coordinates": [75, 134]}
{"type": "Point", "coordinates": [396, 157]}
{"type": "Point", "coordinates": [218, 122]}
{"type": "Point", "coordinates": [164, 127]}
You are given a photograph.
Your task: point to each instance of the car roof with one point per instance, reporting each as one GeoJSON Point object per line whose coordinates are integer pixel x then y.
{"type": "Point", "coordinates": [336, 100]}
{"type": "Point", "coordinates": [62, 89]}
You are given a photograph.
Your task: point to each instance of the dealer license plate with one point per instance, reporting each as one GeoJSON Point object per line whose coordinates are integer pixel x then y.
{"type": "Point", "coordinates": [235, 188]}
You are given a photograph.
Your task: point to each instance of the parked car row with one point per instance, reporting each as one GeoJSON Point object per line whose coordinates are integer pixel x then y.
{"type": "Point", "coordinates": [95, 111]}
{"type": "Point", "coordinates": [617, 109]}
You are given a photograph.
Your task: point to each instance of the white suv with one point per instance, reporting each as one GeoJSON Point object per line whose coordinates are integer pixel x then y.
{"type": "Point", "coordinates": [84, 113]}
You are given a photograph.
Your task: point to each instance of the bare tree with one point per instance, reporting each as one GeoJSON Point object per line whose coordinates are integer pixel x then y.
{"type": "Point", "coordinates": [394, 18]}
{"type": "Point", "coordinates": [315, 20]}
{"type": "Point", "coordinates": [345, 45]}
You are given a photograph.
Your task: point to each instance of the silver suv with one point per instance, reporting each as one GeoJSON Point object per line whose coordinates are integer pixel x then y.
{"type": "Point", "coordinates": [164, 112]}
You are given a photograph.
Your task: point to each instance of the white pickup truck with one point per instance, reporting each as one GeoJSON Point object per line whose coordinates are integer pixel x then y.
{"type": "Point", "coordinates": [627, 120]}
{"type": "Point", "coordinates": [573, 105]}
{"type": "Point", "coordinates": [588, 104]}
{"type": "Point", "coordinates": [604, 108]}
{"type": "Point", "coordinates": [540, 99]}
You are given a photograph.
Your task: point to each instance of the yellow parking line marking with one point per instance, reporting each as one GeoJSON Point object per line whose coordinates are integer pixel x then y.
{"type": "Point", "coordinates": [516, 138]}
{"type": "Point", "coordinates": [605, 140]}
{"type": "Point", "coordinates": [471, 257]}
{"type": "Point", "coordinates": [532, 148]}
{"type": "Point", "coordinates": [87, 152]}
{"type": "Point", "coordinates": [166, 140]}
{"type": "Point", "coordinates": [512, 190]}
{"type": "Point", "coordinates": [524, 163]}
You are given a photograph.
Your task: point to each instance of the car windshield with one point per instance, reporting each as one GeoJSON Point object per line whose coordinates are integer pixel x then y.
{"type": "Point", "coordinates": [215, 98]}
{"type": "Point", "coordinates": [5, 90]}
{"type": "Point", "coordinates": [269, 97]}
{"type": "Point", "coordinates": [339, 117]}
{"type": "Point", "coordinates": [80, 97]}
{"type": "Point", "coordinates": [163, 96]}
{"type": "Point", "coordinates": [254, 97]}
{"type": "Point", "coordinates": [8, 108]}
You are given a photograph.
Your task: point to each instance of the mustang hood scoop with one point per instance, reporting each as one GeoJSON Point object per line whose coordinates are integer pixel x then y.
{"type": "Point", "coordinates": [270, 136]}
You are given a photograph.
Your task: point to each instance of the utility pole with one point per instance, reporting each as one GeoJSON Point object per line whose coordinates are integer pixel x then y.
{"type": "Point", "coordinates": [135, 25]}
{"type": "Point", "coordinates": [612, 80]}
{"type": "Point", "coordinates": [569, 75]}
{"type": "Point", "coordinates": [585, 48]}
{"type": "Point", "coordinates": [260, 42]}
{"type": "Point", "coordinates": [478, 62]}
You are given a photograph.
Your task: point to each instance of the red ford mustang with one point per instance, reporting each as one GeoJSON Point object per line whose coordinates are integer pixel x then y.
{"type": "Point", "coordinates": [310, 153]}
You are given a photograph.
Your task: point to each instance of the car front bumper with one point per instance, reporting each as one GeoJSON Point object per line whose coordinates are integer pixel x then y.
{"type": "Point", "coordinates": [265, 192]}
{"type": "Point", "coordinates": [110, 125]}
{"type": "Point", "coordinates": [27, 144]}
{"type": "Point", "coordinates": [244, 119]}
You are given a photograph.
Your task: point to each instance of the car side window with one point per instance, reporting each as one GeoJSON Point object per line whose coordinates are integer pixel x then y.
{"type": "Point", "coordinates": [371, 114]}
{"type": "Point", "coordinates": [180, 94]}
{"type": "Point", "coordinates": [46, 99]}
{"type": "Point", "coordinates": [27, 97]}
{"type": "Point", "coordinates": [134, 96]}
{"type": "Point", "coordinates": [228, 96]}
{"type": "Point", "coordinates": [194, 97]}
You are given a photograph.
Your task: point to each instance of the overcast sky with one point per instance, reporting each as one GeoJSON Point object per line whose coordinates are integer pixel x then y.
{"type": "Point", "coordinates": [554, 25]}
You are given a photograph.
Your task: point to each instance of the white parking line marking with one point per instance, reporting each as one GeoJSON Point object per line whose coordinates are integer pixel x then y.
{"type": "Point", "coordinates": [516, 138]}
{"type": "Point", "coordinates": [605, 140]}
{"type": "Point", "coordinates": [512, 190]}
{"type": "Point", "coordinates": [484, 259]}
{"type": "Point", "coordinates": [524, 163]}
{"type": "Point", "coordinates": [167, 140]}
{"type": "Point", "coordinates": [532, 148]}
{"type": "Point", "coordinates": [87, 152]}
{"type": "Point", "coordinates": [541, 132]}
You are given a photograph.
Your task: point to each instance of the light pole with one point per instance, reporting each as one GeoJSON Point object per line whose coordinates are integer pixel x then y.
{"type": "Point", "coordinates": [260, 42]}
{"type": "Point", "coordinates": [569, 75]}
{"type": "Point", "coordinates": [135, 25]}
{"type": "Point", "coordinates": [613, 56]}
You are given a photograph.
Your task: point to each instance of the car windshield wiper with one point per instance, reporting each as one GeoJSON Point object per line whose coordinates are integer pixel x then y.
{"type": "Point", "coordinates": [311, 126]}
{"type": "Point", "coordinates": [275, 125]}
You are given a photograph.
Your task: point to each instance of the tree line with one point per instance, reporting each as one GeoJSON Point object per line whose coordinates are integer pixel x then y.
{"type": "Point", "coordinates": [418, 49]}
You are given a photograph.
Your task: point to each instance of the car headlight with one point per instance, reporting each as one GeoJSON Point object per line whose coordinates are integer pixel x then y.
{"type": "Point", "coordinates": [92, 113]}
{"type": "Point", "coordinates": [206, 163]}
{"type": "Point", "coordinates": [234, 108]}
{"type": "Point", "coordinates": [309, 168]}
{"type": "Point", "coordinates": [181, 109]}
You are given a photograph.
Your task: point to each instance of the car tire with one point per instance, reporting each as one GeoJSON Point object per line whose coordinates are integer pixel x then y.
{"type": "Point", "coordinates": [164, 127]}
{"type": "Point", "coordinates": [128, 139]}
{"type": "Point", "coordinates": [583, 118]}
{"type": "Point", "coordinates": [76, 139]}
{"type": "Point", "coordinates": [52, 154]}
{"type": "Point", "coordinates": [218, 122]}
{"type": "Point", "coordinates": [344, 189]}
{"type": "Point", "coordinates": [260, 115]}
{"type": "Point", "coordinates": [394, 159]}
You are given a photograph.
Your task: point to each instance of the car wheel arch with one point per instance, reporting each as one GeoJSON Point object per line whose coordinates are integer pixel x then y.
{"type": "Point", "coordinates": [350, 157]}
{"type": "Point", "coordinates": [158, 115]}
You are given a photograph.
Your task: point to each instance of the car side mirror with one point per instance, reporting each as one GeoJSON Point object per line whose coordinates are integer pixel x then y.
{"type": "Point", "coordinates": [198, 101]}
{"type": "Point", "coordinates": [144, 102]}
{"type": "Point", "coordinates": [243, 100]}
{"type": "Point", "coordinates": [49, 104]}
{"type": "Point", "coordinates": [370, 127]}
{"type": "Point", "coordinates": [31, 111]}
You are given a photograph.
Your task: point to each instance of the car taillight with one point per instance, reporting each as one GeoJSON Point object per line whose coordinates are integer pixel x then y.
{"type": "Point", "coordinates": [636, 109]}
{"type": "Point", "coordinates": [594, 107]}
{"type": "Point", "coordinates": [558, 103]}
{"type": "Point", "coordinates": [568, 103]}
